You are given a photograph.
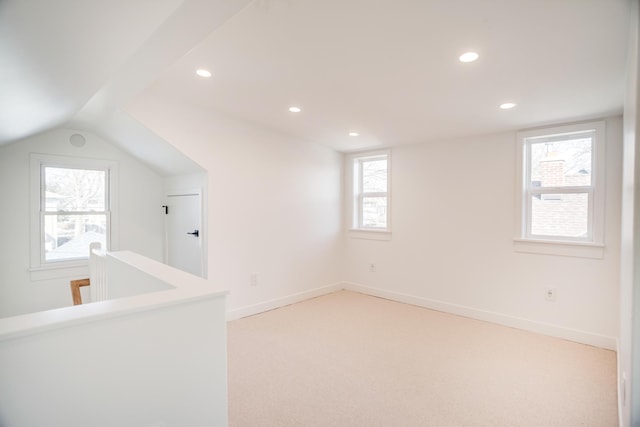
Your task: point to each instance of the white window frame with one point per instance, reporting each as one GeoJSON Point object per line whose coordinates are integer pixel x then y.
{"type": "Point", "coordinates": [40, 269]}
{"type": "Point", "coordinates": [593, 245]}
{"type": "Point", "coordinates": [354, 162]}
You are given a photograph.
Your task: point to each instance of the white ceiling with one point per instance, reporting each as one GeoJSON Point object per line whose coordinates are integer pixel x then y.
{"type": "Point", "coordinates": [388, 69]}
{"type": "Point", "coordinates": [385, 68]}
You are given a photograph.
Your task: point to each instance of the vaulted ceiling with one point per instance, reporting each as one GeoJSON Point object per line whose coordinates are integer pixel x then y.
{"type": "Point", "coordinates": [388, 70]}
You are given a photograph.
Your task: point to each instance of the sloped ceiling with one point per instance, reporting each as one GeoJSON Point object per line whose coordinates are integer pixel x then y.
{"type": "Point", "coordinates": [55, 55]}
{"type": "Point", "coordinates": [75, 62]}
{"type": "Point", "coordinates": [386, 69]}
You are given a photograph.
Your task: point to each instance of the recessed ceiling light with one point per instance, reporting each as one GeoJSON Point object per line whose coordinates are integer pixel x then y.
{"type": "Point", "coordinates": [507, 105]}
{"type": "Point", "coordinates": [468, 57]}
{"type": "Point", "coordinates": [354, 134]}
{"type": "Point", "coordinates": [295, 109]}
{"type": "Point", "coordinates": [203, 73]}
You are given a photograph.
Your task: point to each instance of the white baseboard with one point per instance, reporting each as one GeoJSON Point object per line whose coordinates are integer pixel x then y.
{"type": "Point", "coordinates": [272, 304]}
{"type": "Point", "coordinates": [575, 335]}
{"type": "Point", "coordinates": [583, 337]}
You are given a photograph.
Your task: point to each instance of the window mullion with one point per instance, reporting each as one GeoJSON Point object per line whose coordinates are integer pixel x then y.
{"type": "Point", "coordinates": [75, 212]}
{"type": "Point", "coordinates": [376, 194]}
{"type": "Point", "coordinates": [560, 190]}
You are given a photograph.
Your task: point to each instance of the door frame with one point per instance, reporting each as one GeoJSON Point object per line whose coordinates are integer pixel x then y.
{"type": "Point", "coordinates": [201, 226]}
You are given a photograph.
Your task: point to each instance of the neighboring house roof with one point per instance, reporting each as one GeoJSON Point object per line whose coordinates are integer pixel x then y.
{"type": "Point", "coordinates": [76, 247]}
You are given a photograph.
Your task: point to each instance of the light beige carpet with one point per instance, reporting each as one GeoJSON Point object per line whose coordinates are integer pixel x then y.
{"type": "Point", "coordinates": [347, 359]}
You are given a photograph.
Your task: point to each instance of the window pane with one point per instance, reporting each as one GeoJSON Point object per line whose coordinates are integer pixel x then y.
{"type": "Point", "coordinates": [374, 212]}
{"type": "Point", "coordinates": [561, 215]}
{"type": "Point", "coordinates": [69, 236]}
{"type": "Point", "coordinates": [374, 176]}
{"type": "Point", "coordinates": [561, 163]}
{"type": "Point", "coordinates": [74, 189]}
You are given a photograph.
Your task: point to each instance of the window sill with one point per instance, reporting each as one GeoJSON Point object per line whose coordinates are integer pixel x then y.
{"type": "Point", "coordinates": [369, 234]}
{"type": "Point", "coordinates": [60, 271]}
{"type": "Point", "coordinates": [562, 248]}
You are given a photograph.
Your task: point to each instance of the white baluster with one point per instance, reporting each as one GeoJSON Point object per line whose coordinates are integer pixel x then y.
{"type": "Point", "coordinates": [97, 273]}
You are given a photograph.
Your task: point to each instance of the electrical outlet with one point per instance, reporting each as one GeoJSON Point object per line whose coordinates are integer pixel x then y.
{"type": "Point", "coordinates": [253, 279]}
{"type": "Point", "coordinates": [372, 267]}
{"type": "Point", "coordinates": [550, 294]}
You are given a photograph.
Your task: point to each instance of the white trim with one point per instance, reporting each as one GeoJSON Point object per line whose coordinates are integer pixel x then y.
{"type": "Point", "coordinates": [621, 389]}
{"type": "Point", "coordinates": [250, 310]}
{"type": "Point", "coordinates": [59, 272]}
{"type": "Point", "coordinates": [551, 246]}
{"type": "Point", "coordinates": [369, 234]}
{"type": "Point", "coordinates": [562, 248]}
{"type": "Point", "coordinates": [575, 335]}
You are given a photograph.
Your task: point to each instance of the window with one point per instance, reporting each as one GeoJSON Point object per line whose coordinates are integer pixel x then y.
{"type": "Point", "coordinates": [74, 211]}
{"type": "Point", "coordinates": [71, 208]}
{"type": "Point", "coordinates": [561, 176]}
{"type": "Point", "coordinates": [371, 192]}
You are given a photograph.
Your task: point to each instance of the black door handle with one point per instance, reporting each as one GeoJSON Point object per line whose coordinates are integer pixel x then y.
{"type": "Point", "coordinates": [195, 233]}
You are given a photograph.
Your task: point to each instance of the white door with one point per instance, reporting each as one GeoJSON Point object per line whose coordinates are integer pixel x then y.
{"type": "Point", "coordinates": [184, 232]}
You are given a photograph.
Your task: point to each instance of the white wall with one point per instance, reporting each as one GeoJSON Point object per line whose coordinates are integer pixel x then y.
{"type": "Point", "coordinates": [274, 202]}
{"type": "Point", "coordinates": [139, 216]}
{"type": "Point", "coordinates": [452, 243]}
{"type": "Point", "coordinates": [185, 182]}
{"type": "Point", "coordinates": [272, 210]}
{"type": "Point", "coordinates": [629, 352]}
{"type": "Point", "coordinates": [148, 361]}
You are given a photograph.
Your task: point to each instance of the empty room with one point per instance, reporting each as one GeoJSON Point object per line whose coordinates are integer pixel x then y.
{"type": "Point", "coordinates": [319, 213]}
